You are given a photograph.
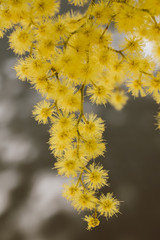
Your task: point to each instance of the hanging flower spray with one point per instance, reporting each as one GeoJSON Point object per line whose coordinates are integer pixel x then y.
{"type": "Point", "coordinates": [66, 57]}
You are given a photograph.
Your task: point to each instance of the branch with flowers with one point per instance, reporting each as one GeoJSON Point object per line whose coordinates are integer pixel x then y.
{"type": "Point", "coordinates": [65, 57]}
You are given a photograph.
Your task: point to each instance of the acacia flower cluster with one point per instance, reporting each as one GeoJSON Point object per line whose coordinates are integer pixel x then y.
{"type": "Point", "coordinates": [70, 56]}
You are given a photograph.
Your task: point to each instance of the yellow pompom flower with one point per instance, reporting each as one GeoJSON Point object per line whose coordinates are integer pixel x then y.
{"type": "Point", "coordinates": [41, 83]}
{"type": "Point", "coordinates": [42, 111]}
{"type": "Point", "coordinates": [133, 64]}
{"type": "Point", "coordinates": [153, 85]}
{"type": "Point", "coordinates": [117, 71]}
{"type": "Point", "coordinates": [70, 102]}
{"type": "Point", "coordinates": [91, 126]}
{"type": "Point", "coordinates": [67, 167]}
{"type": "Point", "coordinates": [22, 69]}
{"type": "Point", "coordinates": [60, 141]}
{"type": "Point", "coordinates": [45, 7]}
{"type": "Point", "coordinates": [59, 28]}
{"type": "Point", "coordinates": [92, 221]}
{"type": "Point", "coordinates": [132, 44]}
{"type": "Point", "coordinates": [84, 200]}
{"type": "Point", "coordinates": [93, 147]}
{"type": "Point", "coordinates": [6, 16]}
{"type": "Point", "coordinates": [17, 5]}
{"type": "Point", "coordinates": [105, 56]}
{"type": "Point", "coordinates": [37, 66]}
{"type": "Point", "coordinates": [20, 40]}
{"type": "Point", "coordinates": [100, 94]}
{"type": "Point", "coordinates": [96, 177]}
{"type": "Point", "coordinates": [66, 121]}
{"type": "Point", "coordinates": [108, 205]}
{"type": "Point", "coordinates": [70, 191]}
{"type": "Point", "coordinates": [136, 87]}
{"type": "Point", "coordinates": [46, 47]}
{"type": "Point", "coordinates": [101, 13]}
{"type": "Point", "coordinates": [130, 15]}
{"type": "Point", "coordinates": [61, 90]}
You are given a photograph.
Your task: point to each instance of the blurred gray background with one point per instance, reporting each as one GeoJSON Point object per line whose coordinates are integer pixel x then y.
{"type": "Point", "coordinates": [31, 205]}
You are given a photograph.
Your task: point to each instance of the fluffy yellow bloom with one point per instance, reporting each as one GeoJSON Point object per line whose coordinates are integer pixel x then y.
{"type": "Point", "coordinates": [61, 90]}
{"type": "Point", "coordinates": [136, 87]}
{"type": "Point", "coordinates": [46, 47]}
{"type": "Point", "coordinates": [20, 40]}
{"type": "Point", "coordinates": [22, 69]}
{"type": "Point", "coordinates": [66, 121]}
{"type": "Point", "coordinates": [101, 13]}
{"type": "Point", "coordinates": [60, 141]}
{"type": "Point", "coordinates": [91, 126]}
{"type": "Point", "coordinates": [37, 66]}
{"type": "Point", "coordinates": [117, 71]}
{"type": "Point", "coordinates": [92, 221]}
{"type": "Point", "coordinates": [42, 84]}
{"type": "Point", "coordinates": [108, 205]}
{"type": "Point", "coordinates": [132, 44]}
{"type": "Point", "coordinates": [96, 177]}
{"type": "Point", "coordinates": [100, 94]}
{"type": "Point", "coordinates": [70, 191]}
{"type": "Point", "coordinates": [93, 147]}
{"type": "Point", "coordinates": [6, 16]}
{"type": "Point", "coordinates": [133, 64]}
{"type": "Point", "coordinates": [16, 5]}
{"type": "Point", "coordinates": [130, 15]}
{"type": "Point", "coordinates": [67, 167]}
{"type": "Point", "coordinates": [59, 28]}
{"type": "Point", "coordinates": [42, 111]}
{"type": "Point", "coordinates": [153, 85]}
{"type": "Point", "coordinates": [74, 20]}
{"type": "Point", "coordinates": [85, 200]}
{"type": "Point", "coordinates": [45, 7]}
{"type": "Point", "coordinates": [105, 56]}
{"type": "Point", "coordinates": [70, 102]}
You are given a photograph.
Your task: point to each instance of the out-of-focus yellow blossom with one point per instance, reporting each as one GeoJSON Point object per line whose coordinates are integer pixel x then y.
{"type": "Point", "coordinates": [45, 7]}
{"type": "Point", "coordinates": [118, 99]}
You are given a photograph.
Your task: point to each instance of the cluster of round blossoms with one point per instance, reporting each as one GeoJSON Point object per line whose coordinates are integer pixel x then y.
{"type": "Point", "coordinates": [66, 57]}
